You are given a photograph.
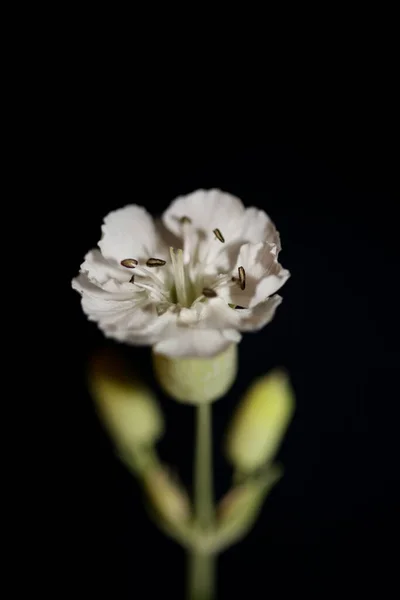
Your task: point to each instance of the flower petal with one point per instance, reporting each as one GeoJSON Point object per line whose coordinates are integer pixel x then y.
{"type": "Point", "coordinates": [261, 315]}
{"type": "Point", "coordinates": [147, 328]}
{"type": "Point", "coordinates": [111, 289]}
{"type": "Point", "coordinates": [218, 315]}
{"type": "Point", "coordinates": [112, 311]}
{"type": "Point", "coordinates": [207, 209]}
{"type": "Point", "coordinates": [100, 270]}
{"type": "Point", "coordinates": [213, 314]}
{"type": "Point", "coordinates": [253, 226]}
{"type": "Point", "coordinates": [256, 226]}
{"type": "Point", "coordinates": [264, 275]}
{"type": "Point", "coordinates": [191, 342]}
{"type": "Point", "coordinates": [130, 233]}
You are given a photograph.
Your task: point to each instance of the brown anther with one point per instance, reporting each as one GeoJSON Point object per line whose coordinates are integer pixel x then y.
{"type": "Point", "coordinates": [242, 278]}
{"type": "Point", "coordinates": [132, 279]}
{"type": "Point", "coordinates": [155, 262]}
{"type": "Point", "coordinates": [219, 235]}
{"type": "Point", "coordinates": [129, 263]}
{"type": "Point", "coordinates": [209, 293]}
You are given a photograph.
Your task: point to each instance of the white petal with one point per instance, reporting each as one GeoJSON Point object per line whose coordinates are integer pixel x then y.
{"type": "Point", "coordinates": [214, 209]}
{"type": "Point", "coordinates": [110, 290]}
{"type": "Point", "coordinates": [191, 342]}
{"type": "Point", "coordinates": [192, 315]}
{"type": "Point", "coordinates": [261, 315]}
{"type": "Point", "coordinates": [217, 314]}
{"type": "Point", "coordinates": [212, 314]}
{"type": "Point", "coordinates": [253, 226]}
{"type": "Point", "coordinates": [100, 270]}
{"type": "Point", "coordinates": [131, 233]}
{"type": "Point", "coordinates": [268, 286]}
{"type": "Point", "coordinates": [114, 310]}
{"type": "Point", "coordinates": [207, 209]}
{"type": "Point", "coordinates": [264, 275]}
{"type": "Point", "coordinates": [143, 331]}
{"type": "Point", "coordinates": [256, 226]}
{"type": "Point", "coordinates": [232, 335]}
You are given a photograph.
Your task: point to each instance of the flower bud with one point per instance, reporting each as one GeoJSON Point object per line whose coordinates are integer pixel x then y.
{"type": "Point", "coordinates": [197, 380]}
{"type": "Point", "coordinates": [168, 499]}
{"type": "Point", "coordinates": [260, 422]}
{"type": "Point", "coordinates": [126, 406]}
{"type": "Point", "coordinates": [239, 509]}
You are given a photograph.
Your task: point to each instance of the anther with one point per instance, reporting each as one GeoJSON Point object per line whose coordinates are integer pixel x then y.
{"type": "Point", "coordinates": [238, 307]}
{"type": "Point", "coordinates": [155, 262]}
{"type": "Point", "coordinates": [132, 279]}
{"type": "Point", "coordinates": [219, 235]}
{"type": "Point", "coordinates": [242, 278]}
{"type": "Point", "coordinates": [184, 220]}
{"type": "Point", "coordinates": [209, 293]}
{"type": "Point", "coordinates": [129, 263]}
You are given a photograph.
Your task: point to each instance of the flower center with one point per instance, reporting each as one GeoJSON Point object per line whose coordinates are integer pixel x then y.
{"type": "Point", "coordinates": [179, 288]}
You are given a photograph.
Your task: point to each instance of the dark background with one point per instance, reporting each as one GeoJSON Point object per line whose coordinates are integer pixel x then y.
{"type": "Point", "coordinates": [332, 523]}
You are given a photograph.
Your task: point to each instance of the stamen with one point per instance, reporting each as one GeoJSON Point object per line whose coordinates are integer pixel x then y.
{"type": "Point", "coordinates": [160, 296]}
{"type": "Point", "coordinates": [189, 239]}
{"type": "Point", "coordinates": [224, 280]}
{"type": "Point", "coordinates": [238, 307]}
{"type": "Point", "coordinates": [155, 262]}
{"type": "Point", "coordinates": [178, 269]}
{"type": "Point", "coordinates": [209, 293]}
{"type": "Point", "coordinates": [129, 263]}
{"type": "Point", "coordinates": [242, 278]}
{"type": "Point", "coordinates": [219, 235]}
{"type": "Point", "coordinates": [132, 279]}
{"type": "Point", "coordinates": [147, 280]}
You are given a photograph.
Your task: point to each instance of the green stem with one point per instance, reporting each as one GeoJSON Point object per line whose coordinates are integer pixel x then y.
{"type": "Point", "coordinates": [201, 576]}
{"type": "Point", "coordinates": [204, 502]}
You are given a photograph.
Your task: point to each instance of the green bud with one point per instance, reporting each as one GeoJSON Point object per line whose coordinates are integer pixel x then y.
{"type": "Point", "coordinates": [167, 498]}
{"type": "Point", "coordinates": [260, 422]}
{"type": "Point", "coordinates": [126, 406]}
{"type": "Point", "coordinates": [197, 380]}
{"type": "Point", "coordinates": [238, 510]}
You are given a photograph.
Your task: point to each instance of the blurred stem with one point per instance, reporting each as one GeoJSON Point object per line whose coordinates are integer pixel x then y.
{"type": "Point", "coordinates": [201, 575]}
{"type": "Point", "coordinates": [204, 505]}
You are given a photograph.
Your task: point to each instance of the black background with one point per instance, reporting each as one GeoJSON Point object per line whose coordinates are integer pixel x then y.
{"type": "Point", "coordinates": [332, 522]}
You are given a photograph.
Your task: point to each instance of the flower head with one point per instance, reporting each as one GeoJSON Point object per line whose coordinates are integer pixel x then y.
{"type": "Point", "coordinates": [186, 285]}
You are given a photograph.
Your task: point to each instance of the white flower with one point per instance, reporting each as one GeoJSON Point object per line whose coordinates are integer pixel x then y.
{"type": "Point", "coordinates": [187, 285]}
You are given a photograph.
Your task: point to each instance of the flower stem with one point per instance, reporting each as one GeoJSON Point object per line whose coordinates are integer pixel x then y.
{"type": "Point", "coordinates": [201, 573]}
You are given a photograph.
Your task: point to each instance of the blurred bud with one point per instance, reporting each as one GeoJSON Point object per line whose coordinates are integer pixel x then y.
{"type": "Point", "coordinates": [127, 407]}
{"type": "Point", "coordinates": [260, 422]}
{"type": "Point", "coordinates": [167, 498]}
{"type": "Point", "coordinates": [197, 380]}
{"type": "Point", "coordinates": [239, 509]}
{"type": "Point", "coordinates": [237, 501]}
